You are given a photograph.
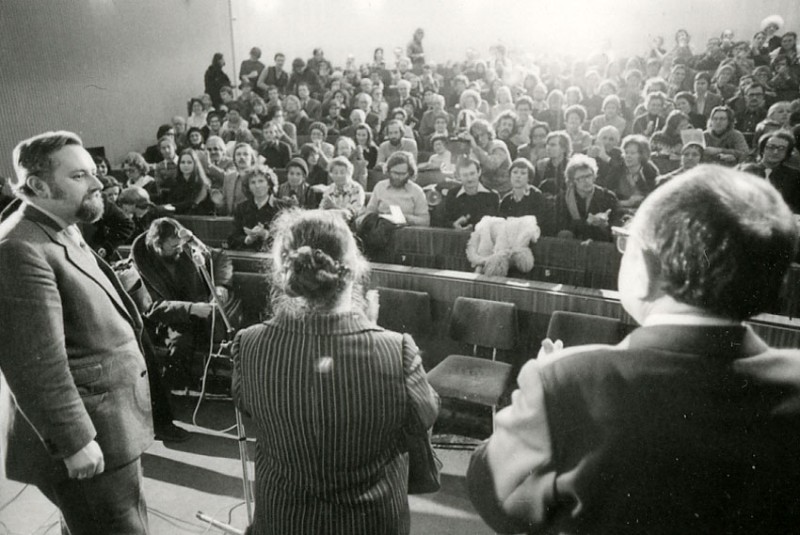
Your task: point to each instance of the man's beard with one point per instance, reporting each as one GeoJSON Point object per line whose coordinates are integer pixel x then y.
{"type": "Point", "coordinates": [398, 182]}
{"type": "Point", "coordinates": [91, 208]}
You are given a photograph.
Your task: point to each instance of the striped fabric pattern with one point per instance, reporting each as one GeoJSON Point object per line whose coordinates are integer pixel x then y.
{"type": "Point", "coordinates": [328, 395]}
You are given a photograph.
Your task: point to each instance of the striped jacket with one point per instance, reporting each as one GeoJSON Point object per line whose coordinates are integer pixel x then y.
{"type": "Point", "coordinates": [328, 395]}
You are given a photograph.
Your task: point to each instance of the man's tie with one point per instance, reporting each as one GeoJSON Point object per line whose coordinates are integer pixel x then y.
{"type": "Point", "coordinates": [73, 233]}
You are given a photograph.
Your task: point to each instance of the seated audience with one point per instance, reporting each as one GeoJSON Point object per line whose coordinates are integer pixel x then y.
{"type": "Point", "coordinates": [777, 119]}
{"type": "Point", "coordinates": [753, 113]}
{"type": "Point", "coordinates": [296, 191]}
{"type": "Point", "coordinates": [441, 156]}
{"type": "Point", "coordinates": [685, 102]}
{"type": "Point", "coordinates": [318, 132]}
{"type": "Point", "coordinates": [400, 190]}
{"type": "Point", "coordinates": [610, 116]}
{"type": "Point", "coordinates": [136, 171]}
{"type": "Point", "coordinates": [363, 136]}
{"type": "Point", "coordinates": [275, 152]}
{"type": "Point", "coordinates": [526, 199]}
{"type": "Point", "coordinates": [586, 211]}
{"type": "Point", "coordinates": [189, 192]}
{"type": "Point", "coordinates": [535, 149]}
{"type": "Point", "coordinates": [774, 150]}
{"type": "Point", "coordinates": [197, 114]}
{"type": "Point", "coordinates": [724, 144]}
{"type": "Point", "coordinates": [467, 204]}
{"type": "Point", "coordinates": [320, 279]}
{"type": "Point", "coordinates": [295, 114]}
{"type": "Point", "coordinates": [253, 217]}
{"type": "Point", "coordinates": [666, 144]}
{"type": "Point", "coordinates": [233, 192]}
{"type": "Point", "coordinates": [550, 170]}
{"type": "Point", "coordinates": [153, 153]}
{"type": "Point", "coordinates": [166, 170]}
{"type": "Point", "coordinates": [492, 155]}
{"type": "Point", "coordinates": [691, 156]}
{"type": "Point", "coordinates": [234, 123]}
{"type": "Point", "coordinates": [135, 204]}
{"type": "Point", "coordinates": [346, 147]}
{"type": "Point", "coordinates": [213, 125]}
{"type": "Point", "coordinates": [574, 117]}
{"type": "Point", "coordinates": [343, 193]}
{"type": "Point", "coordinates": [218, 163]}
{"type": "Point", "coordinates": [318, 176]}
{"type": "Point", "coordinates": [652, 120]}
{"type": "Point", "coordinates": [633, 182]}
{"type": "Point", "coordinates": [505, 125]}
{"type": "Point", "coordinates": [704, 99]}
{"type": "Point", "coordinates": [395, 142]}
{"type": "Point", "coordinates": [607, 153]}
{"type": "Point", "coordinates": [113, 228]}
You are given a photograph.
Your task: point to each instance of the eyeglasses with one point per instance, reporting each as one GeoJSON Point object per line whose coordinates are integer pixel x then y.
{"type": "Point", "coordinates": [583, 178]}
{"type": "Point", "coordinates": [770, 146]}
{"type": "Point", "coordinates": [755, 95]}
{"type": "Point", "coordinates": [398, 174]}
{"type": "Point", "coordinates": [621, 235]}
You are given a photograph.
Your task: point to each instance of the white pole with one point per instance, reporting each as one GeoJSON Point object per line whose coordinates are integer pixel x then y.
{"type": "Point", "coordinates": [235, 80]}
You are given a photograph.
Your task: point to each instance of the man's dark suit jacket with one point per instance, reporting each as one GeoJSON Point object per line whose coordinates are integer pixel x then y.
{"type": "Point", "coordinates": [70, 353]}
{"type": "Point", "coordinates": [785, 179]}
{"type": "Point", "coordinates": [678, 429]}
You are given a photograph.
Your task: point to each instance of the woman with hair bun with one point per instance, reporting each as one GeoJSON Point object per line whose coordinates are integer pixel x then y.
{"type": "Point", "coordinates": [329, 392]}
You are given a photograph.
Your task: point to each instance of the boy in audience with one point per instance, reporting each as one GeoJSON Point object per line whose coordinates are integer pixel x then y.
{"type": "Point", "coordinates": [467, 204]}
{"type": "Point", "coordinates": [234, 124]}
{"type": "Point", "coordinates": [275, 152]}
{"type": "Point", "coordinates": [296, 191]}
{"type": "Point", "coordinates": [440, 156]}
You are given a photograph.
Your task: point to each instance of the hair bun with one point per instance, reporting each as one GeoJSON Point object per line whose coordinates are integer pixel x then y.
{"type": "Point", "coordinates": [314, 273]}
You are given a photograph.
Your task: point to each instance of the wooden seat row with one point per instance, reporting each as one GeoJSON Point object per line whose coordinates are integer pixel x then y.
{"type": "Point", "coordinates": [592, 266]}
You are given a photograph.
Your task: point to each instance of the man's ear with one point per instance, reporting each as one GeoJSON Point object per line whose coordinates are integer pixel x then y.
{"type": "Point", "coordinates": [39, 187]}
{"type": "Point", "coordinates": [651, 283]}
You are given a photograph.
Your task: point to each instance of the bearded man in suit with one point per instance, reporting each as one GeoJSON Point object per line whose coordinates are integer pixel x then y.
{"type": "Point", "coordinates": [689, 425]}
{"type": "Point", "coordinates": [71, 349]}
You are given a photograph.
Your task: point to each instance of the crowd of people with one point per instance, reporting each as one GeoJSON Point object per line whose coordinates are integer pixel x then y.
{"type": "Point", "coordinates": [685, 426]}
{"type": "Point", "coordinates": [311, 136]}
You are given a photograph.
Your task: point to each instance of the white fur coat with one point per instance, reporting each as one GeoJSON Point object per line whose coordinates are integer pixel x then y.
{"type": "Point", "coordinates": [497, 244]}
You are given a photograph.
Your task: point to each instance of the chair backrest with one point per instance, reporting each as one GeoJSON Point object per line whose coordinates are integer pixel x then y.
{"type": "Point", "coordinates": [484, 323]}
{"type": "Point", "coordinates": [575, 328]}
{"type": "Point", "coordinates": [405, 311]}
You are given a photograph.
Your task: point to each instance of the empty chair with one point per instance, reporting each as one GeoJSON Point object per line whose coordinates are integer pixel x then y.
{"type": "Point", "coordinates": [405, 311]}
{"type": "Point", "coordinates": [575, 329]}
{"type": "Point", "coordinates": [480, 323]}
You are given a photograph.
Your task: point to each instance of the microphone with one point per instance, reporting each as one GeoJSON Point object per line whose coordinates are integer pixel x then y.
{"type": "Point", "coordinates": [187, 237]}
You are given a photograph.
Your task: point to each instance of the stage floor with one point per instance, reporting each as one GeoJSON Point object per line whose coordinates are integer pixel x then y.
{"type": "Point", "coordinates": [204, 474]}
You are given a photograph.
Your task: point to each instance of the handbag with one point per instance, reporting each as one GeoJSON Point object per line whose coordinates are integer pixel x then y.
{"type": "Point", "coordinates": [423, 463]}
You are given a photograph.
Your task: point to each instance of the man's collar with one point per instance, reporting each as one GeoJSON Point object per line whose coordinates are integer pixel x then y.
{"type": "Point", "coordinates": [695, 320]}
{"type": "Point", "coordinates": [481, 189]}
{"type": "Point", "coordinates": [60, 222]}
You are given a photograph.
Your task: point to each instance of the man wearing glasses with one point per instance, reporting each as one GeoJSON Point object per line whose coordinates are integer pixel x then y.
{"type": "Point", "coordinates": [754, 111]}
{"type": "Point", "coordinates": [690, 424]}
{"type": "Point", "coordinates": [773, 151]}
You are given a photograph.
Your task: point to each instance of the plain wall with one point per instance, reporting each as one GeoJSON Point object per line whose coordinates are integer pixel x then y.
{"type": "Point", "coordinates": [113, 70]}
{"type": "Point", "coordinates": [343, 27]}
{"type": "Point", "coordinates": [109, 70]}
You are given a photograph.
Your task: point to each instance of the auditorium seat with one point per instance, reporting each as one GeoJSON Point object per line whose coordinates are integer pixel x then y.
{"type": "Point", "coordinates": [575, 328]}
{"type": "Point", "coordinates": [405, 311]}
{"type": "Point", "coordinates": [479, 323]}
{"type": "Point", "coordinates": [253, 290]}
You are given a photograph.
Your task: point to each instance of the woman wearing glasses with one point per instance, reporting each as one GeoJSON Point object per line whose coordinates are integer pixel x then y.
{"type": "Point", "coordinates": [586, 211]}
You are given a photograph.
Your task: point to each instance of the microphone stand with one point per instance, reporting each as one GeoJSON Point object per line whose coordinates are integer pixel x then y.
{"type": "Point", "coordinates": [199, 260]}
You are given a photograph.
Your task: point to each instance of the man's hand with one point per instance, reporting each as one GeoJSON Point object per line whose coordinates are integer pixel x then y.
{"type": "Point", "coordinates": [201, 310]}
{"type": "Point", "coordinates": [549, 347]}
{"type": "Point", "coordinates": [462, 223]}
{"type": "Point", "coordinates": [599, 219]}
{"type": "Point", "coordinates": [222, 293]}
{"type": "Point", "coordinates": [87, 462]}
